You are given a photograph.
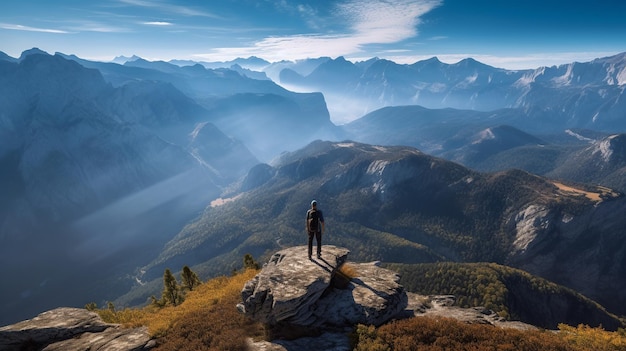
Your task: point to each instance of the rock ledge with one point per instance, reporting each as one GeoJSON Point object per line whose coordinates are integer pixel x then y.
{"type": "Point", "coordinates": [72, 329]}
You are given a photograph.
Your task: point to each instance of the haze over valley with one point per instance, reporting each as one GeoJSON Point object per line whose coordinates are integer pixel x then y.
{"type": "Point", "coordinates": [106, 166]}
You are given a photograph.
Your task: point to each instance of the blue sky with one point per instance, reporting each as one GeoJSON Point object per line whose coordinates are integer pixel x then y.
{"type": "Point", "coordinates": [503, 33]}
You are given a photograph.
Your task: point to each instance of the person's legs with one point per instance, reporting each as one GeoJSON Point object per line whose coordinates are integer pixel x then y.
{"type": "Point", "coordinates": [310, 243]}
{"type": "Point", "coordinates": [318, 237]}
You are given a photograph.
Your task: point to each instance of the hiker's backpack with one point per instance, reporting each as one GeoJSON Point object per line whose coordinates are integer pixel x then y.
{"type": "Point", "coordinates": [313, 221]}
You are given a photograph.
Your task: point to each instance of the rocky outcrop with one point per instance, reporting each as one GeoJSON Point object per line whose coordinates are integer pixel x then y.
{"type": "Point", "coordinates": [309, 304]}
{"type": "Point", "coordinates": [294, 291]}
{"type": "Point", "coordinates": [70, 329]}
{"type": "Point", "coordinates": [436, 306]}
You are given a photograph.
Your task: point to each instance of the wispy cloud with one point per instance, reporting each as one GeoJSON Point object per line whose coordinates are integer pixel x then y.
{"type": "Point", "coordinates": [31, 29]}
{"type": "Point", "coordinates": [367, 22]}
{"type": "Point", "coordinates": [97, 27]}
{"type": "Point", "coordinates": [383, 22]}
{"type": "Point", "coordinates": [169, 8]}
{"type": "Point", "coordinates": [291, 47]}
{"type": "Point", "coordinates": [158, 23]}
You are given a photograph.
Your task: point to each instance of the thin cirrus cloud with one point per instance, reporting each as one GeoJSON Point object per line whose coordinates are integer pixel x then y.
{"type": "Point", "coordinates": [20, 27]}
{"type": "Point", "coordinates": [158, 23]}
{"type": "Point", "coordinates": [168, 8]}
{"type": "Point", "coordinates": [367, 22]}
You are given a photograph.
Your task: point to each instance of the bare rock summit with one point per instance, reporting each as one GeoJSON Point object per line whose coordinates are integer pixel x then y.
{"type": "Point", "coordinates": [293, 291]}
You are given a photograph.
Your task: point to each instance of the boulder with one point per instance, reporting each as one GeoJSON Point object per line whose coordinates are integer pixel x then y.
{"type": "Point", "coordinates": [293, 291]}
{"type": "Point", "coordinates": [71, 329]}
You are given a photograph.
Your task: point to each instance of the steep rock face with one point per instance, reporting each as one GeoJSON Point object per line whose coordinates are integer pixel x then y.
{"type": "Point", "coordinates": [581, 251]}
{"type": "Point", "coordinates": [70, 329]}
{"type": "Point", "coordinates": [603, 161]}
{"type": "Point", "coordinates": [293, 290]}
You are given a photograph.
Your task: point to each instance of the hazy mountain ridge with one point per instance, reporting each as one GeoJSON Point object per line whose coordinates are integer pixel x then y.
{"type": "Point", "coordinates": [495, 141]}
{"type": "Point", "coordinates": [265, 116]}
{"type": "Point", "coordinates": [583, 95]}
{"type": "Point", "coordinates": [594, 161]}
{"type": "Point", "coordinates": [89, 167]}
{"type": "Point", "coordinates": [397, 204]}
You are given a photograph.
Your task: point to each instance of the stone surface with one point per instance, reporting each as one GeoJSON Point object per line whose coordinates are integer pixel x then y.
{"type": "Point", "coordinates": [293, 289]}
{"type": "Point", "coordinates": [373, 297]}
{"type": "Point", "coordinates": [289, 285]}
{"type": "Point", "coordinates": [444, 306]}
{"type": "Point", "coordinates": [70, 329]}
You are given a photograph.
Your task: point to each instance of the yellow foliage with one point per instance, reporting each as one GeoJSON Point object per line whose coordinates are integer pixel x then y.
{"type": "Point", "coordinates": [596, 339]}
{"type": "Point", "coordinates": [437, 334]}
{"type": "Point", "coordinates": [160, 320]}
{"type": "Point", "coordinates": [348, 271]}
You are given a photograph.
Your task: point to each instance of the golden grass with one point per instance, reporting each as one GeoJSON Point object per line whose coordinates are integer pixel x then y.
{"type": "Point", "coordinates": [598, 196]}
{"type": "Point", "coordinates": [348, 271]}
{"type": "Point", "coordinates": [439, 334]}
{"type": "Point", "coordinates": [160, 320]}
{"type": "Point", "coordinates": [343, 275]}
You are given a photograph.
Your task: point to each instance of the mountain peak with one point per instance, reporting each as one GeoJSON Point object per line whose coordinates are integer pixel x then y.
{"type": "Point", "coordinates": [123, 59]}
{"type": "Point", "coordinates": [433, 59]}
{"type": "Point", "coordinates": [471, 63]}
{"type": "Point", "coordinates": [33, 51]}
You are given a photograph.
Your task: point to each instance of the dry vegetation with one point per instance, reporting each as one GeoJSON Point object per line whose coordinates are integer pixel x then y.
{"type": "Point", "coordinates": [208, 320]}
{"type": "Point", "coordinates": [438, 334]}
{"type": "Point", "coordinates": [598, 195]}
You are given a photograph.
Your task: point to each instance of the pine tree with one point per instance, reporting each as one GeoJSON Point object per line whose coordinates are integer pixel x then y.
{"type": "Point", "coordinates": [189, 279]}
{"type": "Point", "coordinates": [249, 263]}
{"type": "Point", "coordinates": [171, 291]}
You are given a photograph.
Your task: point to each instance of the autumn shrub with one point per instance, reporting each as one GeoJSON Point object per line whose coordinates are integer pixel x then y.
{"type": "Point", "coordinates": [597, 339]}
{"type": "Point", "coordinates": [206, 320]}
{"type": "Point", "coordinates": [348, 271]}
{"type": "Point", "coordinates": [438, 334]}
{"type": "Point", "coordinates": [343, 275]}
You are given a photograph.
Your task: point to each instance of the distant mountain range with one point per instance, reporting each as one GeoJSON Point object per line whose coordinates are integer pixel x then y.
{"type": "Point", "coordinates": [577, 95]}
{"type": "Point", "coordinates": [488, 141]}
{"type": "Point", "coordinates": [102, 164]}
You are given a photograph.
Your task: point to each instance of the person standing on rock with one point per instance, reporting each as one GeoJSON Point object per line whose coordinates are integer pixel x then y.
{"type": "Point", "coordinates": [315, 227]}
